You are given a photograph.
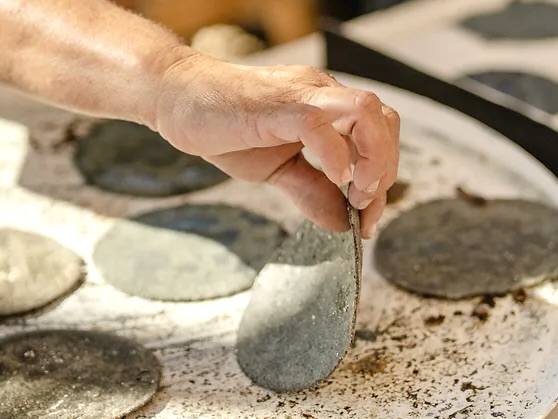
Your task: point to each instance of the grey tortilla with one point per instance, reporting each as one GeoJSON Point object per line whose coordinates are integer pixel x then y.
{"type": "Point", "coordinates": [68, 374]}
{"type": "Point", "coordinates": [131, 159]}
{"type": "Point", "coordinates": [529, 88]}
{"type": "Point", "coordinates": [454, 248]}
{"type": "Point", "coordinates": [518, 20]}
{"type": "Point", "coordinates": [187, 253]}
{"type": "Point", "coordinates": [34, 271]}
{"type": "Point", "coordinates": [300, 320]}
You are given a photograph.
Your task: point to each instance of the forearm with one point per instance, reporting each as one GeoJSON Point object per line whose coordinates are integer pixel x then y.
{"type": "Point", "coordinates": [88, 55]}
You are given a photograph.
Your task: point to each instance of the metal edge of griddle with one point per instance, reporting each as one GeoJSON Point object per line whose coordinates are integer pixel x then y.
{"type": "Point", "coordinates": [347, 56]}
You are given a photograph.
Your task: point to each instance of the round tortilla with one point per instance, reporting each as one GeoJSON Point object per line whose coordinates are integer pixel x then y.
{"type": "Point", "coordinates": [456, 248]}
{"type": "Point", "coordinates": [68, 374]}
{"type": "Point", "coordinates": [34, 271]}
{"type": "Point", "coordinates": [187, 253]}
{"type": "Point", "coordinates": [131, 159]}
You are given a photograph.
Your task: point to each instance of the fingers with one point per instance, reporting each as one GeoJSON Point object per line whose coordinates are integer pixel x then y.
{"type": "Point", "coordinates": [392, 156]}
{"type": "Point", "coordinates": [372, 205]}
{"type": "Point", "coordinates": [285, 168]}
{"type": "Point", "coordinates": [374, 130]}
{"type": "Point", "coordinates": [372, 138]}
{"type": "Point", "coordinates": [255, 164]}
{"type": "Point", "coordinates": [317, 198]}
{"type": "Point", "coordinates": [394, 125]}
{"type": "Point", "coordinates": [342, 125]}
{"type": "Point", "coordinates": [370, 216]}
{"type": "Point", "coordinates": [308, 124]}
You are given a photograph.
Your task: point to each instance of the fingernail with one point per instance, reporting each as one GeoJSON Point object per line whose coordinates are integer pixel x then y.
{"type": "Point", "coordinates": [371, 232]}
{"type": "Point", "coordinates": [363, 204]}
{"type": "Point", "coordinates": [346, 177]}
{"type": "Point", "coordinates": [373, 187]}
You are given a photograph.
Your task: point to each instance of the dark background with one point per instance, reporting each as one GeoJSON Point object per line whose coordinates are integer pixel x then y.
{"type": "Point", "coordinates": [348, 9]}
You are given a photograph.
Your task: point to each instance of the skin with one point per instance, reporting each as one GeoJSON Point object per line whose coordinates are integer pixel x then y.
{"type": "Point", "coordinates": [92, 57]}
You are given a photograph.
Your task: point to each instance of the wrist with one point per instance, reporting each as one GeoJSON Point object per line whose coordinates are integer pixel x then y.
{"type": "Point", "coordinates": [151, 73]}
{"type": "Point", "coordinates": [181, 76]}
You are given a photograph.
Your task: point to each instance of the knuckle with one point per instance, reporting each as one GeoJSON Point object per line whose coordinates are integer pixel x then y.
{"type": "Point", "coordinates": [318, 76]}
{"type": "Point", "coordinates": [312, 118]}
{"type": "Point", "coordinates": [315, 71]}
{"type": "Point", "coordinates": [391, 114]}
{"type": "Point", "coordinates": [366, 101]}
{"type": "Point", "coordinates": [367, 149]}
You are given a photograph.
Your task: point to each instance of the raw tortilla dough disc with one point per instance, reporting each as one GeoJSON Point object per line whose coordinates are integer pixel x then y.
{"type": "Point", "coordinates": [300, 320]}
{"type": "Point", "coordinates": [455, 249]}
{"type": "Point", "coordinates": [187, 253]}
{"type": "Point", "coordinates": [529, 88]}
{"type": "Point", "coordinates": [67, 374]}
{"type": "Point", "coordinates": [127, 158]}
{"type": "Point", "coordinates": [34, 271]}
{"type": "Point", "coordinates": [519, 20]}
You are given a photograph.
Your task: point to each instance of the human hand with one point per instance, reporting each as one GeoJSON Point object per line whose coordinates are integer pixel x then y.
{"type": "Point", "coordinates": [252, 122]}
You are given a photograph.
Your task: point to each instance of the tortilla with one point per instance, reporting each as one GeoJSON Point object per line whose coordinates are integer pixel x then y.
{"type": "Point", "coordinates": [34, 271]}
{"type": "Point", "coordinates": [187, 253]}
{"type": "Point", "coordinates": [127, 158]}
{"type": "Point", "coordinates": [519, 20]}
{"type": "Point", "coordinates": [453, 248]}
{"type": "Point", "coordinates": [68, 374]}
{"type": "Point", "coordinates": [300, 320]}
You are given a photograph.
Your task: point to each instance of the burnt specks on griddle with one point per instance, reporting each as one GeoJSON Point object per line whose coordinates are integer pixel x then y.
{"type": "Point", "coordinates": [481, 311]}
{"type": "Point", "coordinates": [471, 198]}
{"type": "Point", "coordinates": [434, 320]}
{"type": "Point", "coordinates": [397, 192]}
{"type": "Point", "coordinates": [519, 296]}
